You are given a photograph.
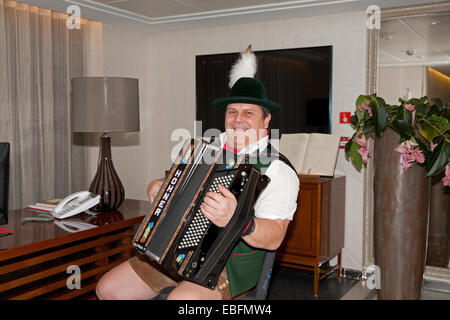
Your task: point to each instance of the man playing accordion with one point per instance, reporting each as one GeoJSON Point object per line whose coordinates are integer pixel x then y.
{"type": "Point", "coordinates": [247, 117]}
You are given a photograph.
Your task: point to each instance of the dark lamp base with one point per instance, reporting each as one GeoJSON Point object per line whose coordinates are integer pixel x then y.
{"type": "Point", "coordinates": [106, 182]}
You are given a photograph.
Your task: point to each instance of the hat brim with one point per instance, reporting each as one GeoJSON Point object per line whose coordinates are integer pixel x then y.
{"type": "Point", "coordinates": [222, 103]}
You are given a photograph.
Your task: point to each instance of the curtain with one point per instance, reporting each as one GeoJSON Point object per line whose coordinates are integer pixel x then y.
{"type": "Point", "coordinates": [38, 57]}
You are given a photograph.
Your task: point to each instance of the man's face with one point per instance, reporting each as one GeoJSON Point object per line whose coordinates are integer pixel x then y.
{"type": "Point", "coordinates": [245, 124]}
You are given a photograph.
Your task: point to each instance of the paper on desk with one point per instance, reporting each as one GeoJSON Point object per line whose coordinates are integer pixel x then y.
{"type": "Point", "coordinates": [5, 231]}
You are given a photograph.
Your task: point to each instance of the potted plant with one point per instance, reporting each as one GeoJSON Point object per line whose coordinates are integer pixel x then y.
{"type": "Point", "coordinates": [411, 144]}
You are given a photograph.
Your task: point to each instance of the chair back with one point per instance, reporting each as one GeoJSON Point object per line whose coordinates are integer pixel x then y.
{"type": "Point", "coordinates": [262, 287]}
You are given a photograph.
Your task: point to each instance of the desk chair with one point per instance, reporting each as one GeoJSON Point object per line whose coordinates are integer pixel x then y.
{"type": "Point", "coordinates": [259, 292]}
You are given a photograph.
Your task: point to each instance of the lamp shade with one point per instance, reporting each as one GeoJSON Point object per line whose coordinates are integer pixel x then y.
{"type": "Point", "coordinates": [105, 104]}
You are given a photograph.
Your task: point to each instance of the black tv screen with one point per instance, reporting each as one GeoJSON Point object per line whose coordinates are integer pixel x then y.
{"type": "Point", "coordinates": [298, 79]}
{"type": "Point", "coordinates": [4, 181]}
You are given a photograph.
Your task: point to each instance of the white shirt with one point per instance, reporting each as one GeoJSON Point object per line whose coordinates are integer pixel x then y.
{"type": "Point", "coordinates": [279, 198]}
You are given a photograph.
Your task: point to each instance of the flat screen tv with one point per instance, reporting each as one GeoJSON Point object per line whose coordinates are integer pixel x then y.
{"type": "Point", "coordinates": [4, 181]}
{"type": "Point", "coordinates": [298, 79]}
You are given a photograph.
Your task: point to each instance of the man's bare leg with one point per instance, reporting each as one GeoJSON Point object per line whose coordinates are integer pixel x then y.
{"type": "Point", "coordinates": [190, 291]}
{"type": "Point", "coordinates": [122, 283]}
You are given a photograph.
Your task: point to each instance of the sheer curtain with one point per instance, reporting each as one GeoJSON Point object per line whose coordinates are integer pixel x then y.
{"type": "Point", "coordinates": [38, 57]}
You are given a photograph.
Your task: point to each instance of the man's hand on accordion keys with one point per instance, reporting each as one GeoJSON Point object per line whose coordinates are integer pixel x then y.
{"type": "Point", "coordinates": [219, 207]}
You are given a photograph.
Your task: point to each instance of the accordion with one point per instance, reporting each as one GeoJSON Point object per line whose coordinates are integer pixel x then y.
{"type": "Point", "coordinates": [176, 236]}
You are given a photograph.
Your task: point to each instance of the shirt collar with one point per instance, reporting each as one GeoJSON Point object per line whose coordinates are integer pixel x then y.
{"type": "Point", "coordinates": [259, 145]}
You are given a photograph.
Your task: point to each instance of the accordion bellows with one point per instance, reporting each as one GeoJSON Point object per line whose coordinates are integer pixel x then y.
{"type": "Point", "coordinates": [175, 235]}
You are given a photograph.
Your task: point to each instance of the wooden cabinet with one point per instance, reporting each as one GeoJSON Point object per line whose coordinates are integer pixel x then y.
{"type": "Point", "coordinates": [316, 234]}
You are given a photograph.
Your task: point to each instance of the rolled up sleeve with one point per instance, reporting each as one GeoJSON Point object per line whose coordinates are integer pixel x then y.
{"type": "Point", "coordinates": [279, 199]}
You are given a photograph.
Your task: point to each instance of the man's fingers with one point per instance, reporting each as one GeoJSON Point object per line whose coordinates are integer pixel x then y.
{"type": "Point", "coordinates": [225, 192]}
{"type": "Point", "coordinates": [214, 195]}
{"type": "Point", "coordinates": [207, 210]}
{"type": "Point", "coordinates": [213, 202]}
{"type": "Point", "coordinates": [153, 188]}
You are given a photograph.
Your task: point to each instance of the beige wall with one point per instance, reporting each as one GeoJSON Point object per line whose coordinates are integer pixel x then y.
{"type": "Point", "coordinates": [164, 62]}
{"type": "Point", "coordinates": [125, 54]}
{"type": "Point", "coordinates": [393, 82]}
{"type": "Point", "coordinates": [438, 85]}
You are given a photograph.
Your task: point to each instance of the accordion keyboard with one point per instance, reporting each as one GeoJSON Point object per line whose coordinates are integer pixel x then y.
{"type": "Point", "coordinates": [199, 223]}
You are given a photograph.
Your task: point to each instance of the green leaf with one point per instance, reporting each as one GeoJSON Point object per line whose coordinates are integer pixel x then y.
{"type": "Point", "coordinates": [438, 103]}
{"type": "Point", "coordinates": [446, 113]}
{"type": "Point", "coordinates": [360, 100]}
{"type": "Point", "coordinates": [359, 114]}
{"type": "Point", "coordinates": [434, 109]}
{"type": "Point", "coordinates": [348, 145]}
{"type": "Point", "coordinates": [368, 127]}
{"type": "Point", "coordinates": [403, 128]}
{"type": "Point", "coordinates": [421, 110]}
{"type": "Point", "coordinates": [380, 118]}
{"type": "Point", "coordinates": [354, 155]}
{"type": "Point", "coordinates": [428, 131]}
{"type": "Point", "coordinates": [354, 120]}
{"type": "Point", "coordinates": [439, 159]}
{"type": "Point", "coordinates": [407, 116]}
{"type": "Point", "coordinates": [395, 111]}
{"type": "Point", "coordinates": [440, 123]}
{"type": "Point", "coordinates": [415, 101]}
{"type": "Point", "coordinates": [382, 102]}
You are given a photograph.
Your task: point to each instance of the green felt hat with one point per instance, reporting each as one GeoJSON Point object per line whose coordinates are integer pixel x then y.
{"type": "Point", "coordinates": [247, 90]}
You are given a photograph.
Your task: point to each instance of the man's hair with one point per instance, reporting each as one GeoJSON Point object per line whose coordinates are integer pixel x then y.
{"type": "Point", "coordinates": [265, 111]}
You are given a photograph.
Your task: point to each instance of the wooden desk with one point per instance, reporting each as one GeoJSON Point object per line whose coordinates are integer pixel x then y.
{"type": "Point", "coordinates": [35, 258]}
{"type": "Point", "coordinates": [316, 235]}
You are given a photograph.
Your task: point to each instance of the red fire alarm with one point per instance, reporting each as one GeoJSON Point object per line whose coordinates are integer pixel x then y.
{"type": "Point", "coordinates": [343, 141]}
{"type": "Point", "coordinates": [344, 117]}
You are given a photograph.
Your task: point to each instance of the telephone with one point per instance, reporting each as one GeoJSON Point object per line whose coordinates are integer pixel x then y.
{"type": "Point", "coordinates": [75, 203]}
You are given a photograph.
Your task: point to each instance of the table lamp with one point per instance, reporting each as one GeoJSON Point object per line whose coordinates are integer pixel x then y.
{"type": "Point", "coordinates": [105, 104]}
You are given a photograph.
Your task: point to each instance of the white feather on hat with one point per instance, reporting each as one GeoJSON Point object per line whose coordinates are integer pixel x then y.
{"type": "Point", "coordinates": [245, 66]}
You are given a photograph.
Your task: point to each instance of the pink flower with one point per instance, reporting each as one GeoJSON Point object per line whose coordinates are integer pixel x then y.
{"type": "Point", "coordinates": [433, 146]}
{"type": "Point", "coordinates": [407, 162]}
{"type": "Point", "coordinates": [446, 178]}
{"type": "Point", "coordinates": [361, 140]}
{"type": "Point", "coordinates": [409, 154]}
{"type": "Point", "coordinates": [401, 148]}
{"type": "Point", "coordinates": [411, 108]}
{"type": "Point", "coordinates": [418, 155]}
{"type": "Point", "coordinates": [405, 147]}
{"type": "Point", "coordinates": [363, 107]}
{"type": "Point", "coordinates": [364, 152]}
